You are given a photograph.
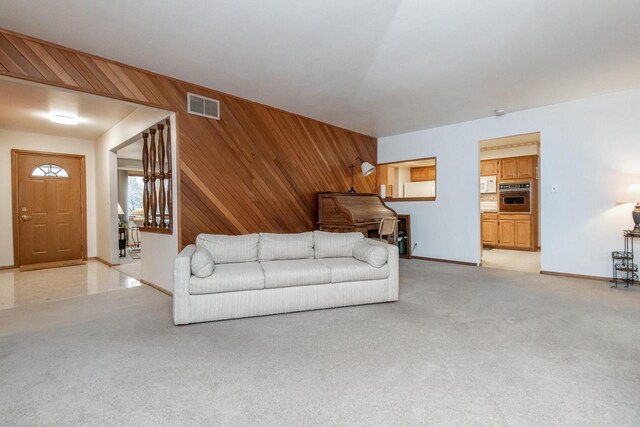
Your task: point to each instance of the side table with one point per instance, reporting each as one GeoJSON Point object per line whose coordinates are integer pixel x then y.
{"type": "Point", "coordinates": [624, 267]}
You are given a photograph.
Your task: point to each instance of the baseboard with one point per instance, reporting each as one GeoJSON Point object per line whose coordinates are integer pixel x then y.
{"type": "Point", "coordinates": [575, 276]}
{"type": "Point", "coordinates": [55, 264]}
{"type": "Point", "coordinates": [156, 287]}
{"type": "Point", "coordinates": [448, 261]}
{"type": "Point", "coordinates": [7, 267]}
{"type": "Point", "coordinates": [97, 258]}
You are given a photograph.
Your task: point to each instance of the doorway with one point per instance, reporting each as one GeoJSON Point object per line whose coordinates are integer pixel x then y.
{"type": "Point", "coordinates": [49, 209]}
{"type": "Point", "coordinates": [509, 202]}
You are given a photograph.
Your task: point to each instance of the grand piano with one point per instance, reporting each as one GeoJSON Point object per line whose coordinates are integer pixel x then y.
{"type": "Point", "coordinates": [344, 212]}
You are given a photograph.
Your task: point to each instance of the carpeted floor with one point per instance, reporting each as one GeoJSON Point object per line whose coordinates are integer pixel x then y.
{"type": "Point", "coordinates": [464, 346]}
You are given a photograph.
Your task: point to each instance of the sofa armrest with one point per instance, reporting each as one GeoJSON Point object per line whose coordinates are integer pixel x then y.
{"type": "Point", "coordinates": [181, 277]}
{"type": "Point", "coordinates": [393, 261]}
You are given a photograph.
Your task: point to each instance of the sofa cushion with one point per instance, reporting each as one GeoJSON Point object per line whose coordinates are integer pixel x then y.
{"type": "Point", "coordinates": [229, 278]}
{"type": "Point", "coordinates": [353, 270]}
{"type": "Point", "coordinates": [298, 272]}
{"type": "Point", "coordinates": [228, 249]}
{"type": "Point", "coordinates": [374, 255]}
{"type": "Point", "coordinates": [272, 247]}
{"type": "Point", "coordinates": [333, 245]}
{"type": "Point", "coordinates": [202, 264]}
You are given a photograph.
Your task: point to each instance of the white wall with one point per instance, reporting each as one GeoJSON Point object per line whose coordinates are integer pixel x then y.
{"type": "Point", "coordinates": [39, 142]}
{"type": "Point", "coordinates": [590, 148]}
{"type": "Point", "coordinates": [127, 130]}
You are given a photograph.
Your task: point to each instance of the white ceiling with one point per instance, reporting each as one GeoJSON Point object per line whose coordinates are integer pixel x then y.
{"type": "Point", "coordinates": [132, 151]}
{"type": "Point", "coordinates": [26, 106]}
{"type": "Point", "coordinates": [380, 67]}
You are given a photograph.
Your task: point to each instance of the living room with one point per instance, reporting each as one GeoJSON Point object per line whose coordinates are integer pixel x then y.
{"type": "Point", "coordinates": [293, 307]}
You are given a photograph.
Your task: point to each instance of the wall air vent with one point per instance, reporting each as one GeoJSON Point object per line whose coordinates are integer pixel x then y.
{"type": "Point", "coordinates": [201, 106]}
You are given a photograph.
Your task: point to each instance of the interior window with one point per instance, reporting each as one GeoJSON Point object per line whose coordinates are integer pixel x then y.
{"type": "Point", "coordinates": [135, 192]}
{"type": "Point", "coordinates": [411, 180]}
{"type": "Point", "coordinates": [50, 170]}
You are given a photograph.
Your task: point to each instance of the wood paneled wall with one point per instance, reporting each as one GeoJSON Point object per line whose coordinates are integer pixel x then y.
{"type": "Point", "coordinates": [256, 169]}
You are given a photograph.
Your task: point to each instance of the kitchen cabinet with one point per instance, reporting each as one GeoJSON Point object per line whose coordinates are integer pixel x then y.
{"type": "Point", "coordinates": [526, 167]}
{"type": "Point", "coordinates": [509, 168]}
{"type": "Point", "coordinates": [513, 231]}
{"type": "Point", "coordinates": [490, 229]}
{"type": "Point", "coordinates": [425, 173]}
{"type": "Point", "coordinates": [489, 167]}
{"type": "Point", "coordinates": [518, 168]}
{"type": "Point", "coordinates": [524, 233]}
{"type": "Point", "coordinates": [506, 233]}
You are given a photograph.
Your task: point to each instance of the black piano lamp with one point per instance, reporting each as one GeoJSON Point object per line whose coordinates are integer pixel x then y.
{"type": "Point", "coordinates": [366, 167]}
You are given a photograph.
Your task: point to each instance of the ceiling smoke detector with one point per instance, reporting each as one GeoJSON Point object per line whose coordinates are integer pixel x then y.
{"type": "Point", "coordinates": [499, 112]}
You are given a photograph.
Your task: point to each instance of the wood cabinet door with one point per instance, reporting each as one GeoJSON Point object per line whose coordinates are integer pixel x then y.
{"type": "Point", "coordinates": [488, 167]}
{"type": "Point", "coordinates": [526, 167]}
{"type": "Point", "coordinates": [425, 173]}
{"type": "Point", "coordinates": [523, 234]}
{"type": "Point", "coordinates": [489, 232]}
{"type": "Point", "coordinates": [431, 173]}
{"type": "Point", "coordinates": [507, 233]}
{"type": "Point", "coordinates": [509, 168]}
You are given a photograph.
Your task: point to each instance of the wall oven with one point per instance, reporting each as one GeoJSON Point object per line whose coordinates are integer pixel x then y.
{"type": "Point", "coordinates": [515, 197]}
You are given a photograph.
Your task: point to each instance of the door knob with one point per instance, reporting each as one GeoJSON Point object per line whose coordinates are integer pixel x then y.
{"type": "Point", "coordinates": [25, 217]}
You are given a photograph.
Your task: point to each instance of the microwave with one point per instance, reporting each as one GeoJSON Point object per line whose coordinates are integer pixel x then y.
{"type": "Point", "coordinates": [488, 184]}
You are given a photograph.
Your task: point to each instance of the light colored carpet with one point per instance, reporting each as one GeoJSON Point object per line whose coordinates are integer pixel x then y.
{"type": "Point", "coordinates": [464, 346]}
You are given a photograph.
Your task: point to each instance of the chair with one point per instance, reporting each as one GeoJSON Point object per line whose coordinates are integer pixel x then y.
{"type": "Point", "coordinates": [387, 228]}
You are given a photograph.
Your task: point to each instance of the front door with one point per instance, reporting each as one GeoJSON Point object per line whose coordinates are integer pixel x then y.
{"type": "Point", "coordinates": [49, 198]}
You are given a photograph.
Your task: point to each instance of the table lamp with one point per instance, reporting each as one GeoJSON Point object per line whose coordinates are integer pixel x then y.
{"type": "Point", "coordinates": [632, 195]}
{"type": "Point", "coordinates": [366, 167]}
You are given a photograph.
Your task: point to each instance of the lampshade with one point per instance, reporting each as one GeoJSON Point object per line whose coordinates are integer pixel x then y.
{"type": "Point", "coordinates": [367, 168]}
{"type": "Point", "coordinates": [120, 211]}
{"type": "Point", "coordinates": [633, 193]}
{"type": "Point", "coordinates": [138, 212]}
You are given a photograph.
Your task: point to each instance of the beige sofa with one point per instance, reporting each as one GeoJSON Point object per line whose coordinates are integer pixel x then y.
{"type": "Point", "coordinates": [227, 277]}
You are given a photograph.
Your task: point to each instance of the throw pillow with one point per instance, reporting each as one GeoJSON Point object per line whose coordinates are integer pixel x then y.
{"type": "Point", "coordinates": [202, 263]}
{"type": "Point", "coordinates": [374, 255]}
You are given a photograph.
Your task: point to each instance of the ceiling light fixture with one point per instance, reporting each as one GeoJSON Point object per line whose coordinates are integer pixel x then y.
{"type": "Point", "coordinates": [499, 112]}
{"type": "Point", "coordinates": [63, 119]}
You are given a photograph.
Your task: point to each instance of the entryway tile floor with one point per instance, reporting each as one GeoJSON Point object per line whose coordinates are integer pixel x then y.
{"type": "Point", "coordinates": [505, 259]}
{"type": "Point", "coordinates": [19, 288]}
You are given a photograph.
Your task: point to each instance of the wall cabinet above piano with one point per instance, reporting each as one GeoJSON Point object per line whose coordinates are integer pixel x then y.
{"type": "Point", "coordinates": [426, 173]}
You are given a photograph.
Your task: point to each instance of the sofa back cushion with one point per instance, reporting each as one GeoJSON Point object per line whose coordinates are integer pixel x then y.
{"type": "Point", "coordinates": [273, 247]}
{"type": "Point", "coordinates": [228, 249]}
{"type": "Point", "coordinates": [335, 245]}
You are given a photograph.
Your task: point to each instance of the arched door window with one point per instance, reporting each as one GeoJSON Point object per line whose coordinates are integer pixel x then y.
{"type": "Point", "coordinates": [50, 170]}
